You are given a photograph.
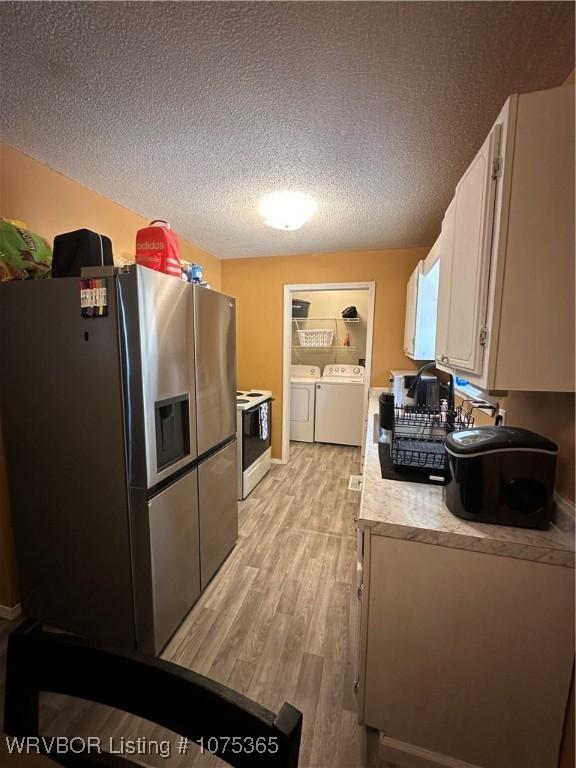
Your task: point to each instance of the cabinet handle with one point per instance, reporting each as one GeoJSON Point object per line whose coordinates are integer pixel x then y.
{"type": "Point", "coordinates": [356, 686]}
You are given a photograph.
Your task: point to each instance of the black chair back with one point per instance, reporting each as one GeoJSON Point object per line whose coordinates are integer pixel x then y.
{"type": "Point", "coordinates": [178, 699]}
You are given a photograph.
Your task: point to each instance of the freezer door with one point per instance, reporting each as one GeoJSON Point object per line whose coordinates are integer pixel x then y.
{"type": "Point", "coordinates": [157, 327]}
{"type": "Point", "coordinates": [215, 334]}
{"type": "Point", "coordinates": [218, 507]}
{"type": "Point", "coordinates": [174, 555]}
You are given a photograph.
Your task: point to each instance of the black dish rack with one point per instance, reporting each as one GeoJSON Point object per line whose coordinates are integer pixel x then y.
{"type": "Point", "coordinates": [419, 435]}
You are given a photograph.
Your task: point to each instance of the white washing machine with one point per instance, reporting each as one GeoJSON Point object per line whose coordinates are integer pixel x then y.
{"type": "Point", "coordinates": [339, 405]}
{"type": "Point", "coordinates": [303, 380]}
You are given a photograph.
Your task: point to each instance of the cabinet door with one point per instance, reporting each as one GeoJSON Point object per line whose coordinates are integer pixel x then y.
{"type": "Point", "coordinates": [471, 251]}
{"type": "Point", "coordinates": [411, 306]}
{"type": "Point", "coordinates": [471, 656]}
{"type": "Point", "coordinates": [426, 310]}
{"type": "Point", "coordinates": [359, 618]}
{"type": "Point", "coordinates": [446, 240]}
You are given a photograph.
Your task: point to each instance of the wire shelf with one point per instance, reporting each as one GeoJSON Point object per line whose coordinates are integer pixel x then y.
{"type": "Point", "coordinates": [413, 416]}
{"type": "Point", "coordinates": [331, 319]}
{"type": "Point", "coordinates": [420, 454]}
{"type": "Point", "coordinates": [334, 347]}
{"type": "Point", "coordinates": [419, 434]}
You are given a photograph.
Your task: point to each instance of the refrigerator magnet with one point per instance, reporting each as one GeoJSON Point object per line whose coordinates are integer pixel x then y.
{"type": "Point", "coordinates": [93, 297]}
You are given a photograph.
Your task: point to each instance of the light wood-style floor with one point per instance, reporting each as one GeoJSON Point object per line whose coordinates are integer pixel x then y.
{"type": "Point", "coordinates": [274, 623]}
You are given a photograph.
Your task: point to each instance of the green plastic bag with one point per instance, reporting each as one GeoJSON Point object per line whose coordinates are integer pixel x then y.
{"type": "Point", "coordinates": [23, 255]}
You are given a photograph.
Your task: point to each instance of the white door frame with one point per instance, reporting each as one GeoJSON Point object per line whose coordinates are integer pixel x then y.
{"type": "Point", "coordinates": [287, 345]}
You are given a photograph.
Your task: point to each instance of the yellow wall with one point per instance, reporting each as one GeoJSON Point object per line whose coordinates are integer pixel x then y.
{"type": "Point", "coordinates": [548, 413]}
{"type": "Point", "coordinates": [50, 203]}
{"type": "Point", "coordinates": [258, 286]}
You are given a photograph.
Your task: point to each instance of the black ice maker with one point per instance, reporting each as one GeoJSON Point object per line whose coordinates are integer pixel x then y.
{"type": "Point", "coordinates": [172, 430]}
{"type": "Point", "coordinates": [502, 475]}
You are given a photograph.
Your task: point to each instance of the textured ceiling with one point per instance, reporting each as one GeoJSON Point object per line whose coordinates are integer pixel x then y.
{"type": "Point", "coordinates": [192, 111]}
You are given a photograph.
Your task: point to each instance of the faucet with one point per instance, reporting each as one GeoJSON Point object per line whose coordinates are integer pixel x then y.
{"type": "Point", "coordinates": [412, 391]}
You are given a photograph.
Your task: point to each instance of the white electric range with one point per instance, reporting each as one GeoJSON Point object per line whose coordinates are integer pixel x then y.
{"type": "Point", "coordinates": [254, 433]}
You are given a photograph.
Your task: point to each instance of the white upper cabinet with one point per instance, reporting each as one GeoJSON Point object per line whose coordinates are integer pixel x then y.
{"type": "Point", "coordinates": [445, 265]}
{"type": "Point", "coordinates": [426, 310]}
{"type": "Point", "coordinates": [506, 301]}
{"type": "Point", "coordinates": [411, 306]}
{"type": "Point", "coordinates": [421, 309]}
{"type": "Point", "coordinates": [470, 259]}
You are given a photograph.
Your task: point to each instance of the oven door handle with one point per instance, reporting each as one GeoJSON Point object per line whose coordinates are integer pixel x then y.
{"type": "Point", "coordinates": [256, 407]}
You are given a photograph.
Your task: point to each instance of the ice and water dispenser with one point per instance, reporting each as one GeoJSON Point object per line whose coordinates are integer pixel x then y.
{"type": "Point", "coordinates": [172, 430]}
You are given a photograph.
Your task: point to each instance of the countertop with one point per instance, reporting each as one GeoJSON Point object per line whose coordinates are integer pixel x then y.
{"type": "Point", "coordinates": [417, 512]}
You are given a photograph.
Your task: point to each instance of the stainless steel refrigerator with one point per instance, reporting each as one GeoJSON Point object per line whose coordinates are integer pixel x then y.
{"type": "Point", "coordinates": [120, 432]}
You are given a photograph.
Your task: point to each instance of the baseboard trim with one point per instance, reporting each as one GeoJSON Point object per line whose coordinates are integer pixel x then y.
{"type": "Point", "coordinates": [276, 461]}
{"type": "Point", "coordinates": [409, 756]}
{"type": "Point", "coordinates": [10, 612]}
{"type": "Point", "coordinates": [565, 504]}
{"type": "Point", "coordinates": [565, 514]}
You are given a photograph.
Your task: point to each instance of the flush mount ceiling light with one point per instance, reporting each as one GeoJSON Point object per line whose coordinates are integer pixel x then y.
{"type": "Point", "coordinates": [287, 210]}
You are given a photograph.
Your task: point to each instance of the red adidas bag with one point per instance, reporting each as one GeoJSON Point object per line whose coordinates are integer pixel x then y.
{"type": "Point", "coordinates": [157, 247]}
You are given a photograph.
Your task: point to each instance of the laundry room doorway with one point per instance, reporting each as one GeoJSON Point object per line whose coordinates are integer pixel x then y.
{"type": "Point", "coordinates": [327, 361]}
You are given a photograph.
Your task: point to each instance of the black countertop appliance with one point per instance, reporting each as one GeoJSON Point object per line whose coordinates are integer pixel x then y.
{"type": "Point", "coordinates": [386, 409]}
{"type": "Point", "coordinates": [502, 475]}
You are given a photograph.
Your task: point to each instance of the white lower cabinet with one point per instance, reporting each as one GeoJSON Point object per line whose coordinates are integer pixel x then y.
{"type": "Point", "coordinates": [465, 658]}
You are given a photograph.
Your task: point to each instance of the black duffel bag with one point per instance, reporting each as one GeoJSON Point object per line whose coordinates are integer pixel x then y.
{"type": "Point", "coordinates": [81, 248]}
